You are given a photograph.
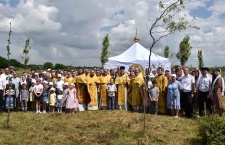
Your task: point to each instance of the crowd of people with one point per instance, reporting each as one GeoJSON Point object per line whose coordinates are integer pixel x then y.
{"type": "Point", "coordinates": [177, 92]}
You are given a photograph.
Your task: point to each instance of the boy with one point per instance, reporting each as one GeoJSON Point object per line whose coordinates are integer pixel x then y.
{"type": "Point", "coordinates": [111, 89]}
{"type": "Point", "coordinates": [153, 96]}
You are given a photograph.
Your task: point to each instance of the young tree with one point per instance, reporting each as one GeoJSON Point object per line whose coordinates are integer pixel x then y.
{"type": "Point", "coordinates": [200, 59]}
{"type": "Point", "coordinates": [105, 52]}
{"type": "Point", "coordinates": [25, 52]}
{"type": "Point", "coordinates": [168, 22]}
{"type": "Point", "coordinates": [184, 50]}
{"type": "Point", "coordinates": [166, 52]}
{"type": "Point", "coordinates": [10, 77]}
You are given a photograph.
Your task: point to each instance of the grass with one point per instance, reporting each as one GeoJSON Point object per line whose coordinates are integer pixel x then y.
{"type": "Point", "coordinates": [96, 127]}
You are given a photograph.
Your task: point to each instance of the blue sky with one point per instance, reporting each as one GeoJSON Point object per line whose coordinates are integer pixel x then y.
{"type": "Point", "coordinates": [65, 32]}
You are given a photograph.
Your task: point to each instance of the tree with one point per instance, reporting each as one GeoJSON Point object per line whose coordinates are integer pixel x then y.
{"type": "Point", "coordinates": [184, 50]}
{"type": "Point", "coordinates": [10, 77]}
{"type": "Point", "coordinates": [168, 22]}
{"type": "Point", "coordinates": [59, 66]}
{"type": "Point", "coordinates": [200, 59]}
{"type": "Point", "coordinates": [105, 53]}
{"type": "Point", "coordinates": [166, 52]}
{"type": "Point", "coordinates": [47, 65]}
{"type": "Point", "coordinates": [25, 52]}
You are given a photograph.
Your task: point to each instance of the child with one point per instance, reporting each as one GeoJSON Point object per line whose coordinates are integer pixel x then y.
{"type": "Point", "coordinates": [52, 100]}
{"type": "Point", "coordinates": [10, 95]}
{"type": "Point", "coordinates": [38, 90]}
{"type": "Point", "coordinates": [71, 98]}
{"type": "Point", "coordinates": [59, 104]}
{"type": "Point", "coordinates": [153, 97]}
{"type": "Point", "coordinates": [44, 95]}
{"type": "Point", "coordinates": [24, 95]}
{"type": "Point", "coordinates": [32, 96]}
{"type": "Point", "coordinates": [111, 89]}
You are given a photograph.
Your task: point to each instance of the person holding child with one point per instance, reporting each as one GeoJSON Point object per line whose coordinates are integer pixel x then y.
{"type": "Point", "coordinates": [10, 95]}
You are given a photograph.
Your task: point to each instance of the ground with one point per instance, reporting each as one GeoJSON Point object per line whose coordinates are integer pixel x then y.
{"type": "Point", "coordinates": [96, 127]}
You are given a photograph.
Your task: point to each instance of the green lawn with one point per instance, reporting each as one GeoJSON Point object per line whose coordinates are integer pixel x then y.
{"type": "Point", "coordinates": [96, 127]}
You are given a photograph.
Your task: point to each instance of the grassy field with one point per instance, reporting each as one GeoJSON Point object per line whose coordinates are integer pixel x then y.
{"type": "Point", "coordinates": [96, 127]}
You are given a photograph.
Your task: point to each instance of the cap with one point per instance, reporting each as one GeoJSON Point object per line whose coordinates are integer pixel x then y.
{"type": "Point", "coordinates": [122, 67]}
{"type": "Point", "coordinates": [45, 82]}
{"type": "Point", "coordinates": [49, 69]}
{"type": "Point", "coordinates": [72, 84]}
{"type": "Point", "coordinates": [66, 84]}
{"type": "Point", "coordinates": [174, 75]}
{"type": "Point", "coordinates": [11, 67]}
{"type": "Point", "coordinates": [33, 81]}
{"type": "Point", "coordinates": [50, 83]}
{"type": "Point", "coordinates": [59, 75]}
{"type": "Point", "coordinates": [52, 89]}
{"type": "Point", "coordinates": [38, 80]}
{"type": "Point", "coordinates": [205, 68]}
{"type": "Point", "coordinates": [44, 72]}
{"type": "Point", "coordinates": [36, 74]}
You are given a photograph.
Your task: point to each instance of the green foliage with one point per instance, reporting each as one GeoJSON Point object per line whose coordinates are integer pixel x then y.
{"type": "Point", "coordinates": [4, 62]}
{"type": "Point", "coordinates": [8, 46]}
{"type": "Point", "coordinates": [60, 66]}
{"type": "Point", "coordinates": [26, 51]}
{"type": "Point", "coordinates": [184, 50]}
{"type": "Point", "coordinates": [211, 130]}
{"type": "Point", "coordinates": [200, 59]}
{"type": "Point", "coordinates": [16, 63]}
{"type": "Point", "coordinates": [166, 52]}
{"type": "Point", "coordinates": [47, 65]}
{"type": "Point", "coordinates": [105, 52]}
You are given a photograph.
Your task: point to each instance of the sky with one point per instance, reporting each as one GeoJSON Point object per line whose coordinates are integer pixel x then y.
{"type": "Point", "coordinates": [71, 31]}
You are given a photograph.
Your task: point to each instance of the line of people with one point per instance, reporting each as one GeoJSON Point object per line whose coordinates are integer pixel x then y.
{"type": "Point", "coordinates": [177, 91]}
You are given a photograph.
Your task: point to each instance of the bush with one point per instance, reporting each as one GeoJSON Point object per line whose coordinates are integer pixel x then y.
{"type": "Point", "coordinates": [212, 130]}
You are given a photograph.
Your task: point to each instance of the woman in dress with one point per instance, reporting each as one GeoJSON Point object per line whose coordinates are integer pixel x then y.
{"type": "Point", "coordinates": [173, 95]}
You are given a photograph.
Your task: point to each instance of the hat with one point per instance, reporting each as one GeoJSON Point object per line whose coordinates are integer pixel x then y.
{"type": "Point", "coordinates": [174, 75]}
{"type": "Point", "coordinates": [122, 67]}
{"type": "Point", "coordinates": [45, 82]}
{"type": "Point", "coordinates": [11, 67]}
{"type": "Point", "coordinates": [59, 76]}
{"type": "Point", "coordinates": [205, 68]}
{"type": "Point", "coordinates": [72, 84]}
{"type": "Point", "coordinates": [38, 80]}
{"type": "Point", "coordinates": [50, 83]}
{"type": "Point", "coordinates": [52, 89]}
{"type": "Point", "coordinates": [49, 69]}
{"type": "Point", "coordinates": [33, 81]}
{"type": "Point", "coordinates": [44, 72]}
{"type": "Point", "coordinates": [66, 84]}
{"type": "Point", "coordinates": [36, 74]}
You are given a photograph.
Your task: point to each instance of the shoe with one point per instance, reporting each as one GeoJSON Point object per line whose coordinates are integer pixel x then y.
{"type": "Point", "coordinates": [39, 112]}
{"type": "Point", "coordinates": [44, 111]}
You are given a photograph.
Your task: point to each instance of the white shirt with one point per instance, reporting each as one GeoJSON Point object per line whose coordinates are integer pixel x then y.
{"type": "Point", "coordinates": [38, 88]}
{"type": "Point", "coordinates": [59, 84]}
{"type": "Point", "coordinates": [205, 83]}
{"type": "Point", "coordinates": [6, 77]}
{"type": "Point", "coordinates": [186, 82]}
{"type": "Point", "coordinates": [16, 82]}
{"type": "Point", "coordinates": [2, 82]}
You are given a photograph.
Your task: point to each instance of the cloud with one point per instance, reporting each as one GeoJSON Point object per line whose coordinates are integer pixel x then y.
{"type": "Point", "coordinates": [71, 32]}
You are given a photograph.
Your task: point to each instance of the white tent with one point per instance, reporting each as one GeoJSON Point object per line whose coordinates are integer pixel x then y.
{"type": "Point", "coordinates": [137, 54]}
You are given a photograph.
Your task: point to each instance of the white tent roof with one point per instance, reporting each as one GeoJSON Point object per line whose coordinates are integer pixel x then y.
{"type": "Point", "coordinates": [137, 54]}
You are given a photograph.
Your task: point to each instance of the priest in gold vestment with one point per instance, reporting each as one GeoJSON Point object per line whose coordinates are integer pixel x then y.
{"type": "Point", "coordinates": [137, 91]}
{"type": "Point", "coordinates": [104, 81]}
{"type": "Point", "coordinates": [92, 82]}
{"type": "Point", "coordinates": [161, 83]}
{"type": "Point", "coordinates": [122, 81]}
{"type": "Point", "coordinates": [81, 83]}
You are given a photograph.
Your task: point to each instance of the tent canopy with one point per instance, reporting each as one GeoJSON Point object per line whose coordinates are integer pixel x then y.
{"type": "Point", "coordinates": [137, 54]}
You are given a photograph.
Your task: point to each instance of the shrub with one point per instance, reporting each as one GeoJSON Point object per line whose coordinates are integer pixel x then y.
{"type": "Point", "coordinates": [212, 130]}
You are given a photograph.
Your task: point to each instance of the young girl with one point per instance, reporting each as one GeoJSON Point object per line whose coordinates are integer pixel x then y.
{"type": "Point", "coordinates": [32, 96]}
{"type": "Point", "coordinates": [24, 95]}
{"type": "Point", "coordinates": [44, 96]}
{"type": "Point", "coordinates": [10, 95]}
{"type": "Point", "coordinates": [38, 90]}
{"type": "Point", "coordinates": [71, 99]}
{"type": "Point", "coordinates": [59, 104]}
{"type": "Point", "coordinates": [52, 100]}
